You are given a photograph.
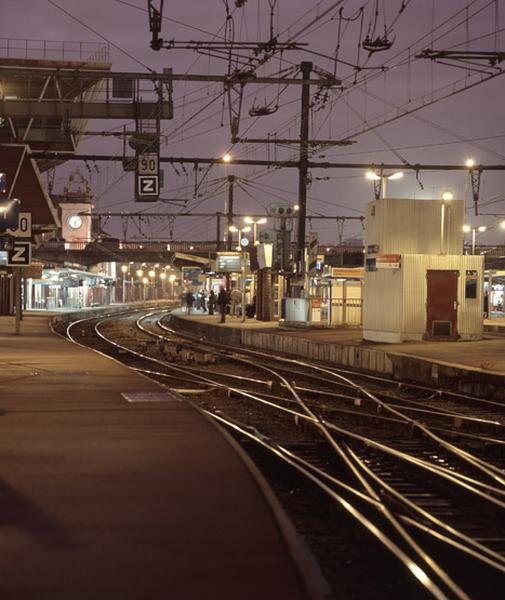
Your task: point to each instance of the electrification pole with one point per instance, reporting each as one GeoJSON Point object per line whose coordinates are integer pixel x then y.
{"type": "Point", "coordinates": [306, 68]}
{"type": "Point", "coordinates": [229, 212]}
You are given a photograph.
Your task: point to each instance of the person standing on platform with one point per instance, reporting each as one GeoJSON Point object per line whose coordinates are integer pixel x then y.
{"type": "Point", "coordinates": [222, 303]}
{"type": "Point", "coordinates": [202, 300]}
{"type": "Point", "coordinates": [189, 301]}
{"type": "Point", "coordinates": [236, 302]}
{"type": "Point", "coordinates": [211, 303]}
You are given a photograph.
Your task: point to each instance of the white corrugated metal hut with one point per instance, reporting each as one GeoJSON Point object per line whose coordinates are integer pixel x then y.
{"type": "Point", "coordinates": [417, 283]}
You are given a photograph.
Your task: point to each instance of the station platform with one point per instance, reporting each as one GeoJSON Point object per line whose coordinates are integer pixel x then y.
{"type": "Point", "coordinates": [473, 367]}
{"type": "Point", "coordinates": [105, 498]}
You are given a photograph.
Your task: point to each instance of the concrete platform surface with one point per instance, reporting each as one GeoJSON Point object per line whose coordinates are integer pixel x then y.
{"type": "Point", "coordinates": [105, 499]}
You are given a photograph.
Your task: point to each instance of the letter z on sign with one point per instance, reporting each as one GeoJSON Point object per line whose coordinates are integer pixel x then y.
{"type": "Point", "coordinates": [20, 255]}
{"type": "Point", "coordinates": [148, 185]}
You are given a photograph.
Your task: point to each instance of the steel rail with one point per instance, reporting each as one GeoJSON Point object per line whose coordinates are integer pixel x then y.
{"type": "Point", "coordinates": [150, 358]}
{"type": "Point", "coordinates": [493, 558]}
{"type": "Point", "coordinates": [442, 412]}
{"type": "Point", "coordinates": [419, 573]}
{"type": "Point", "coordinates": [433, 468]}
{"type": "Point", "coordinates": [487, 468]}
{"type": "Point", "coordinates": [457, 478]}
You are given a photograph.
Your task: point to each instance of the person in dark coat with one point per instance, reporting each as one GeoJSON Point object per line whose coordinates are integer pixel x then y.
{"type": "Point", "coordinates": [189, 301]}
{"type": "Point", "coordinates": [222, 303]}
{"type": "Point", "coordinates": [211, 303]}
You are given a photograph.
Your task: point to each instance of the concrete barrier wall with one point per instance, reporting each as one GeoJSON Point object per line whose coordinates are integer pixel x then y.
{"type": "Point", "coordinates": [367, 359]}
{"type": "Point", "coordinates": [228, 336]}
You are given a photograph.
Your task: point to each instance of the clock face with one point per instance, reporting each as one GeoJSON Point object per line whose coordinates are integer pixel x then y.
{"type": "Point", "coordinates": [75, 221]}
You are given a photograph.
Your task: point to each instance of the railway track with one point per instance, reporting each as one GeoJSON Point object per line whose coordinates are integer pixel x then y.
{"type": "Point", "coordinates": [419, 470]}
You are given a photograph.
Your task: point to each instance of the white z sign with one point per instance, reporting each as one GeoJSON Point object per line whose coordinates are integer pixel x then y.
{"type": "Point", "coordinates": [147, 185]}
{"type": "Point", "coordinates": [20, 255]}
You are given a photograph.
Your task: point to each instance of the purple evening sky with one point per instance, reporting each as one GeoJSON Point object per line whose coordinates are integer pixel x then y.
{"type": "Point", "coordinates": [449, 131]}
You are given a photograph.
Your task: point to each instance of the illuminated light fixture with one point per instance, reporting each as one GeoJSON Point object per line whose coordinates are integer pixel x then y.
{"type": "Point", "coordinates": [374, 177]}
{"type": "Point", "coordinates": [246, 229]}
{"type": "Point", "coordinates": [163, 275]}
{"type": "Point", "coordinates": [145, 280]}
{"type": "Point", "coordinates": [227, 158]}
{"type": "Point", "coordinates": [296, 207]}
{"type": "Point", "coordinates": [481, 228]}
{"type": "Point", "coordinates": [447, 196]}
{"type": "Point", "coordinates": [251, 221]}
{"type": "Point", "coordinates": [191, 247]}
{"type": "Point", "coordinates": [232, 228]}
{"type": "Point", "coordinates": [470, 163]}
{"type": "Point", "coordinates": [124, 268]}
{"type": "Point", "coordinates": [152, 273]}
{"type": "Point", "coordinates": [502, 225]}
{"type": "Point", "coordinates": [466, 228]}
{"type": "Point", "coordinates": [328, 249]}
{"type": "Point", "coordinates": [139, 272]}
{"type": "Point", "coordinates": [172, 278]}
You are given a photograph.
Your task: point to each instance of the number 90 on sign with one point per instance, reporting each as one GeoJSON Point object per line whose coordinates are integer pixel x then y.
{"type": "Point", "coordinates": [148, 164]}
{"type": "Point", "coordinates": [24, 228]}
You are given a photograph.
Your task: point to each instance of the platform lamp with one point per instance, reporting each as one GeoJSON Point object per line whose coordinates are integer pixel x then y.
{"type": "Point", "coordinates": [468, 228]}
{"type": "Point", "coordinates": [379, 181]}
{"type": "Point", "coordinates": [139, 273]}
{"type": "Point", "coordinates": [171, 279]}
{"type": "Point", "coordinates": [124, 270]}
{"type": "Point", "coordinates": [242, 245]}
{"type": "Point", "coordinates": [446, 197]}
{"type": "Point", "coordinates": [254, 223]}
{"type": "Point", "coordinates": [145, 281]}
{"type": "Point", "coordinates": [163, 277]}
{"type": "Point", "coordinates": [152, 282]}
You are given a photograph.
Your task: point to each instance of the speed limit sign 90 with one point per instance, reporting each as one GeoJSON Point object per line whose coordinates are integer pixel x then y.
{"type": "Point", "coordinates": [147, 164]}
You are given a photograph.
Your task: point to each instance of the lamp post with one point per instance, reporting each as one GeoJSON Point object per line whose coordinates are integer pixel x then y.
{"type": "Point", "coordinates": [163, 277]}
{"type": "Point", "coordinates": [255, 224]}
{"type": "Point", "coordinates": [152, 283]}
{"type": "Point", "coordinates": [380, 182]}
{"type": "Point", "coordinates": [171, 279]}
{"type": "Point", "coordinates": [241, 247]}
{"type": "Point", "coordinates": [139, 273]}
{"type": "Point", "coordinates": [468, 228]}
{"type": "Point", "coordinates": [446, 197]}
{"type": "Point", "coordinates": [124, 270]}
{"type": "Point", "coordinates": [145, 281]}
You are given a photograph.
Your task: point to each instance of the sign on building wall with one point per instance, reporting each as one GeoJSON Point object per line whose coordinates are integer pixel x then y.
{"type": "Point", "coordinates": [388, 261]}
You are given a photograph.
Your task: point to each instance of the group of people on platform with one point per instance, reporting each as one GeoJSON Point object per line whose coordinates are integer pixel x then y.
{"type": "Point", "coordinates": [225, 302]}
